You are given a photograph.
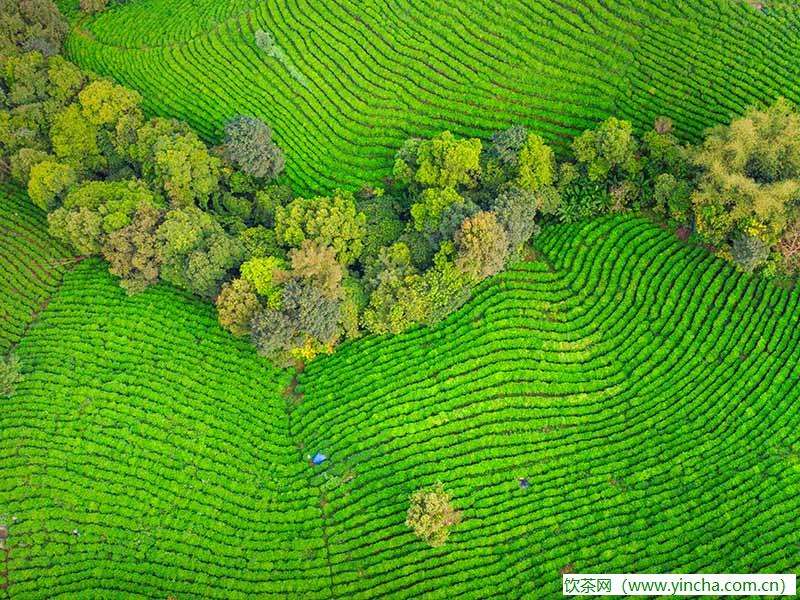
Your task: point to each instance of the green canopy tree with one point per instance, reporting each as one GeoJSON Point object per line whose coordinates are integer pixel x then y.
{"type": "Point", "coordinates": [609, 152]}
{"type": "Point", "coordinates": [445, 161]}
{"type": "Point", "coordinates": [249, 146]}
{"type": "Point", "coordinates": [197, 253]}
{"type": "Point", "coordinates": [751, 177]}
{"type": "Point", "coordinates": [133, 252]}
{"type": "Point", "coordinates": [94, 209]}
{"type": "Point", "coordinates": [328, 220]}
{"type": "Point", "coordinates": [431, 514]}
{"type": "Point", "coordinates": [265, 274]}
{"type": "Point", "coordinates": [48, 183]}
{"type": "Point", "coordinates": [75, 140]}
{"type": "Point", "coordinates": [237, 303]}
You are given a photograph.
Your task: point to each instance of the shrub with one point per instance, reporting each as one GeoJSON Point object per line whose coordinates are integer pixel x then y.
{"type": "Point", "coordinates": [10, 374]}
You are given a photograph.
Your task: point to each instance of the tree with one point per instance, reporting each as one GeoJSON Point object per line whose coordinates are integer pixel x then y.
{"type": "Point", "coordinates": [265, 274]}
{"type": "Point", "coordinates": [30, 25]}
{"type": "Point", "coordinates": [444, 161]}
{"type": "Point", "coordinates": [197, 253]}
{"type": "Point", "coordinates": [307, 323]}
{"type": "Point", "coordinates": [318, 264]}
{"type": "Point", "coordinates": [515, 211]}
{"type": "Point", "coordinates": [275, 333]}
{"type": "Point", "coordinates": [430, 206]}
{"type": "Point", "coordinates": [185, 169]}
{"type": "Point", "coordinates": [405, 161]}
{"type": "Point", "coordinates": [482, 246]}
{"type": "Point", "coordinates": [328, 220]}
{"type": "Point", "coordinates": [25, 76]}
{"type": "Point", "coordinates": [608, 153]}
{"type": "Point", "coordinates": [48, 183]}
{"type": "Point", "coordinates": [261, 242]}
{"type": "Point", "coordinates": [751, 176]}
{"type": "Point", "coordinates": [267, 201]}
{"type": "Point", "coordinates": [404, 298]}
{"type": "Point", "coordinates": [665, 153]}
{"type": "Point", "coordinates": [82, 228]}
{"type": "Point", "coordinates": [75, 140]}
{"type": "Point", "coordinates": [23, 161]}
{"type": "Point", "coordinates": [170, 155]}
{"type": "Point", "coordinates": [789, 248]}
{"type": "Point", "coordinates": [431, 514]}
{"type": "Point", "coordinates": [317, 314]}
{"type": "Point", "coordinates": [133, 252]}
{"type": "Point", "coordinates": [673, 197]}
{"type": "Point", "coordinates": [237, 303]}
{"type": "Point", "coordinates": [104, 103]}
{"type": "Point", "coordinates": [748, 252]}
{"type": "Point", "coordinates": [93, 6]}
{"type": "Point", "coordinates": [383, 224]}
{"type": "Point", "coordinates": [354, 301]}
{"type": "Point", "coordinates": [66, 80]}
{"type": "Point", "coordinates": [249, 145]}
{"type": "Point", "coordinates": [386, 275]}
{"type": "Point", "coordinates": [450, 221]}
{"type": "Point", "coordinates": [506, 145]}
{"type": "Point", "coordinates": [536, 165]}
{"type": "Point", "coordinates": [94, 209]}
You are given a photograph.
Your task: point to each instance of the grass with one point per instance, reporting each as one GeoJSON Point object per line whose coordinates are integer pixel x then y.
{"type": "Point", "coordinates": [646, 391]}
{"type": "Point", "coordinates": [357, 80]}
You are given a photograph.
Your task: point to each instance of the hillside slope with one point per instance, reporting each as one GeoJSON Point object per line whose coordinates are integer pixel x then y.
{"type": "Point", "coordinates": [146, 453]}
{"type": "Point", "coordinates": [647, 392]}
{"type": "Point", "coordinates": [33, 264]}
{"type": "Point", "coordinates": [347, 82]}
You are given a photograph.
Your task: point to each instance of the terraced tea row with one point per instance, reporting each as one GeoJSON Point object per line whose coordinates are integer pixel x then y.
{"type": "Point", "coordinates": [366, 76]}
{"type": "Point", "coordinates": [644, 390]}
{"type": "Point", "coordinates": [146, 453]}
{"type": "Point", "coordinates": [33, 264]}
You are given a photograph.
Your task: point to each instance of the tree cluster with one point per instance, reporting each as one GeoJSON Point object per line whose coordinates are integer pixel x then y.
{"type": "Point", "coordinates": [299, 274]}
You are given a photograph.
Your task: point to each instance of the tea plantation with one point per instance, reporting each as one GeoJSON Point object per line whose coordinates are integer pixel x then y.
{"type": "Point", "coordinates": [344, 84]}
{"type": "Point", "coordinates": [647, 393]}
{"type": "Point", "coordinates": [32, 264]}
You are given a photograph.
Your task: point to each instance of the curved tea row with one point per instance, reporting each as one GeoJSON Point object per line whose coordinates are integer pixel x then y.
{"type": "Point", "coordinates": [365, 76]}
{"type": "Point", "coordinates": [647, 392]}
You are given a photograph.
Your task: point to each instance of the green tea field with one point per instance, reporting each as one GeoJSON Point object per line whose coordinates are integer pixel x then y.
{"type": "Point", "coordinates": [433, 300]}
{"type": "Point", "coordinates": [32, 264]}
{"type": "Point", "coordinates": [344, 84]}
{"type": "Point", "coordinates": [647, 392]}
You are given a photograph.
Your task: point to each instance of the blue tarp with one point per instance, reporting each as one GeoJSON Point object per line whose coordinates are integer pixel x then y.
{"type": "Point", "coordinates": [319, 458]}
